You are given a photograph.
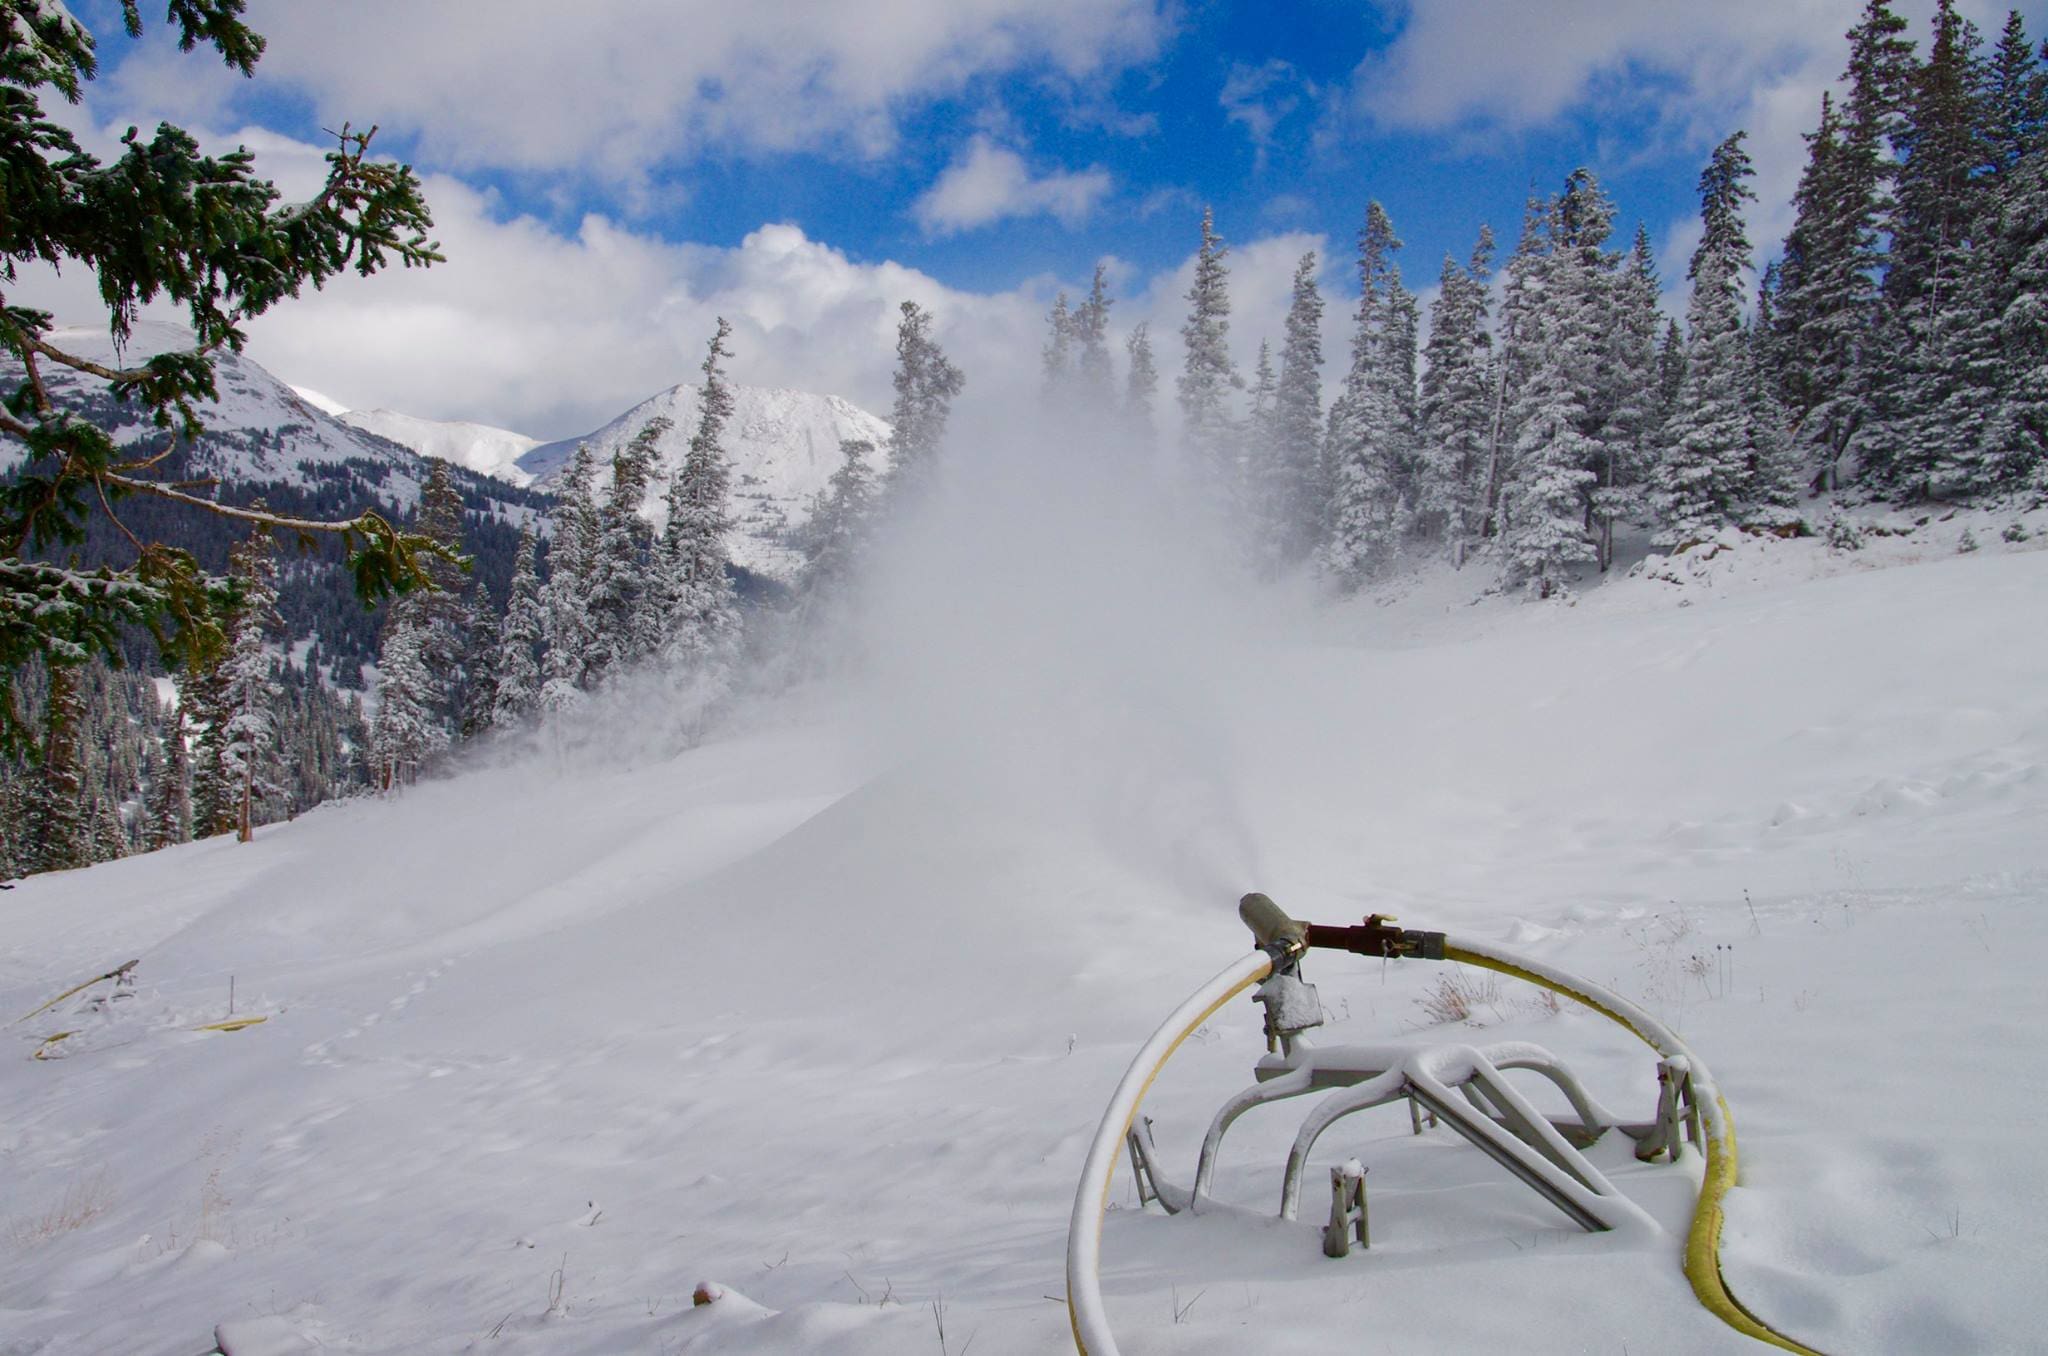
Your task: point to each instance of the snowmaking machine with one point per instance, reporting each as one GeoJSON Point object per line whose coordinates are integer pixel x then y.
{"type": "Point", "coordinates": [1461, 1086]}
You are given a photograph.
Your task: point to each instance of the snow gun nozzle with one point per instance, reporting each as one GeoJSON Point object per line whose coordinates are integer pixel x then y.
{"type": "Point", "coordinates": [1271, 928]}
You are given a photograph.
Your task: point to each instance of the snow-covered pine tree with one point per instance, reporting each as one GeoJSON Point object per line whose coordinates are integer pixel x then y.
{"type": "Point", "coordinates": [1943, 150]}
{"type": "Point", "coordinates": [1634, 428]}
{"type": "Point", "coordinates": [249, 748]}
{"type": "Point", "coordinates": [1670, 378]}
{"type": "Point", "coordinates": [626, 607]}
{"type": "Point", "coordinates": [1366, 438]}
{"type": "Point", "coordinates": [480, 666]}
{"type": "Point", "coordinates": [407, 732]}
{"type": "Point", "coordinates": [926, 383]}
{"type": "Point", "coordinates": [1094, 378]}
{"type": "Point", "coordinates": [2015, 98]}
{"type": "Point", "coordinates": [1403, 361]}
{"type": "Point", "coordinates": [1296, 495]}
{"type": "Point", "coordinates": [1828, 356]}
{"type": "Point", "coordinates": [1256, 453]}
{"type": "Point", "coordinates": [200, 696]}
{"type": "Point", "coordinates": [702, 623]}
{"type": "Point", "coordinates": [61, 836]}
{"type": "Point", "coordinates": [2011, 453]}
{"type": "Point", "coordinates": [1522, 292]}
{"type": "Point", "coordinates": [518, 666]}
{"type": "Point", "coordinates": [835, 537]}
{"type": "Point", "coordinates": [1141, 386]}
{"type": "Point", "coordinates": [1208, 429]}
{"type": "Point", "coordinates": [572, 555]}
{"type": "Point", "coordinates": [1549, 480]}
{"type": "Point", "coordinates": [1057, 358]}
{"type": "Point", "coordinates": [168, 809]}
{"type": "Point", "coordinates": [1716, 456]}
{"type": "Point", "coordinates": [442, 612]}
{"type": "Point", "coordinates": [1457, 404]}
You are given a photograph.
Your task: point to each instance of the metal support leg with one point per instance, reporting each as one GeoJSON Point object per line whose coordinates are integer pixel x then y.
{"type": "Point", "coordinates": [1347, 1210]}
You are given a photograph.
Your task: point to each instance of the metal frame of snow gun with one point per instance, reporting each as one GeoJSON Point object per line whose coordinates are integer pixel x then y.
{"type": "Point", "coordinates": [1492, 1115]}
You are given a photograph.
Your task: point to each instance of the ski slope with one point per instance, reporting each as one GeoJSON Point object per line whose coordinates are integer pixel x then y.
{"type": "Point", "coordinates": [825, 1010]}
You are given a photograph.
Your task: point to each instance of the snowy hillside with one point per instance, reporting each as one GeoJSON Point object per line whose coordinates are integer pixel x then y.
{"type": "Point", "coordinates": [483, 449]}
{"type": "Point", "coordinates": [825, 1010]}
{"type": "Point", "coordinates": [783, 445]}
{"type": "Point", "coordinates": [260, 432]}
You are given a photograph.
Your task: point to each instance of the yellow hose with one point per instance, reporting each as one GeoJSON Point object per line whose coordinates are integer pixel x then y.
{"type": "Point", "coordinates": [1703, 1239]}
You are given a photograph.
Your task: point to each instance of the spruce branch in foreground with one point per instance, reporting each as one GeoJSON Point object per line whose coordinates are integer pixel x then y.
{"type": "Point", "coordinates": [161, 222]}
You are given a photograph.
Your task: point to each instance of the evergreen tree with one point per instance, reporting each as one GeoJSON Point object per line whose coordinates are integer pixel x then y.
{"type": "Point", "coordinates": [2015, 99]}
{"type": "Point", "coordinates": [1457, 403]}
{"type": "Point", "coordinates": [169, 810]}
{"type": "Point", "coordinates": [625, 605]}
{"type": "Point", "coordinates": [62, 832]}
{"type": "Point", "coordinates": [406, 733]}
{"type": "Point", "coordinates": [1521, 295]}
{"type": "Point", "coordinates": [2011, 453]}
{"type": "Point", "coordinates": [1366, 439]}
{"type": "Point", "coordinates": [1141, 386]}
{"type": "Point", "coordinates": [1547, 487]}
{"type": "Point", "coordinates": [1208, 431]}
{"type": "Point", "coordinates": [1635, 420]}
{"type": "Point", "coordinates": [249, 734]}
{"type": "Point", "coordinates": [1093, 376]}
{"type": "Point", "coordinates": [1058, 356]}
{"type": "Point", "coordinates": [480, 666]}
{"type": "Point", "coordinates": [1829, 359]}
{"type": "Point", "coordinates": [1256, 452]}
{"type": "Point", "coordinates": [1720, 459]}
{"type": "Point", "coordinates": [441, 611]}
{"type": "Point", "coordinates": [703, 614]}
{"type": "Point", "coordinates": [1670, 378]}
{"type": "Point", "coordinates": [517, 696]}
{"type": "Point", "coordinates": [926, 384]}
{"type": "Point", "coordinates": [1295, 494]}
{"type": "Point", "coordinates": [836, 535]}
{"type": "Point", "coordinates": [1942, 149]}
{"type": "Point", "coordinates": [202, 694]}
{"type": "Point", "coordinates": [572, 555]}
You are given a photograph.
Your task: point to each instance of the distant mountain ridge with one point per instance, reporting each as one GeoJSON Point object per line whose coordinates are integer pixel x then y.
{"type": "Point", "coordinates": [265, 440]}
{"type": "Point", "coordinates": [783, 446]}
{"type": "Point", "coordinates": [481, 448]}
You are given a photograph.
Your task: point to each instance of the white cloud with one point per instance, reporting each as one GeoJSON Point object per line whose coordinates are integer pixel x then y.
{"type": "Point", "coordinates": [552, 333]}
{"type": "Point", "coordinates": [614, 89]}
{"type": "Point", "coordinates": [991, 182]}
{"type": "Point", "coordinates": [1260, 98]}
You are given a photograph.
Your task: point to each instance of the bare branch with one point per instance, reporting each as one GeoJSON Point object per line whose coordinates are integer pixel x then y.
{"type": "Point", "coordinates": [163, 491]}
{"type": "Point", "coordinates": [100, 370]}
{"type": "Point", "coordinates": [134, 540]}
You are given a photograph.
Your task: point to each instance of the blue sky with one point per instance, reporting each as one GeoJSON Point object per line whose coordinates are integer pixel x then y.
{"type": "Point", "coordinates": [609, 176]}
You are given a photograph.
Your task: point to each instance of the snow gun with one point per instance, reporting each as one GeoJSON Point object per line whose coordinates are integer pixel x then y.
{"type": "Point", "coordinates": [1456, 1085]}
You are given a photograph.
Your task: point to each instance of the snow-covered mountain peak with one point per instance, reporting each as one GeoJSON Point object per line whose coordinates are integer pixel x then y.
{"type": "Point", "coordinates": [480, 447]}
{"type": "Point", "coordinates": [783, 446]}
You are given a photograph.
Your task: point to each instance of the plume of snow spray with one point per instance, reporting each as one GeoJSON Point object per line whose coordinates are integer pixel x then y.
{"type": "Point", "coordinates": [1059, 627]}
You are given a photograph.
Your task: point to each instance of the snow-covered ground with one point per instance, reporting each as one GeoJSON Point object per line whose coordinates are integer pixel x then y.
{"type": "Point", "coordinates": [825, 1010]}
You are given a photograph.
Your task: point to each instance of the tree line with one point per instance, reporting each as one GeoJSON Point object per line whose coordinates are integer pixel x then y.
{"type": "Point", "coordinates": [1896, 351]}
